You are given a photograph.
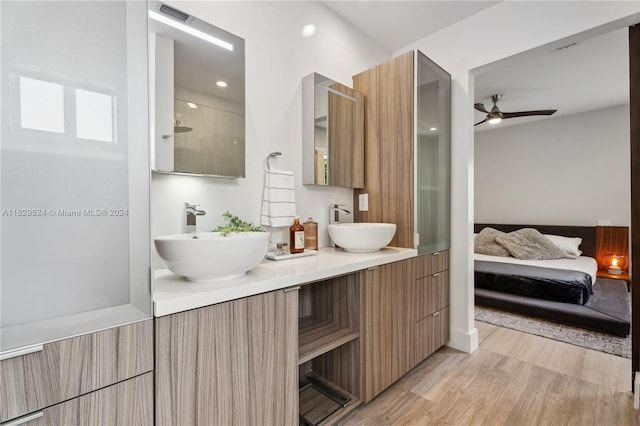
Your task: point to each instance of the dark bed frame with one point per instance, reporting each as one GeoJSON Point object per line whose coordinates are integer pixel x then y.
{"type": "Point", "coordinates": [606, 311]}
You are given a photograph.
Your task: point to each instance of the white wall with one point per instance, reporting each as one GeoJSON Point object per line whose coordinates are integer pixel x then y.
{"type": "Point", "coordinates": [568, 170]}
{"type": "Point", "coordinates": [277, 58]}
{"type": "Point", "coordinates": [513, 27]}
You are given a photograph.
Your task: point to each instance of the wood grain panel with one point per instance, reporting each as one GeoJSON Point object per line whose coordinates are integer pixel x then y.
{"type": "Point", "coordinates": [389, 325]}
{"type": "Point", "coordinates": [432, 333]}
{"type": "Point", "coordinates": [342, 367]}
{"type": "Point", "coordinates": [126, 403]}
{"type": "Point", "coordinates": [230, 363]}
{"type": "Point", "coordinates": [634, 106]}
{"type": "Point", "coordinates": [346, 137]}
{"type": "Point", "coordinates": [432, 294]}
{"type": "Point", "coordinates": [389, 173]}
{"type": "Point", "coordinates": [611, 240]}
{"type": "Point", "coordinates": [431, 263]}
{"type": "Point", "coordinates": [71, 367]}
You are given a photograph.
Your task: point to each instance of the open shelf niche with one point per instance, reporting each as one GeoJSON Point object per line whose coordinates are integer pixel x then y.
{"type": "Point", "coordinates": [329, 347]}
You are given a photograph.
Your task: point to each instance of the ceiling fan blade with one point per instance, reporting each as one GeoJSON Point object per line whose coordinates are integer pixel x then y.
{"type": "Point", "coordinates": [528, 113]}
{"type": "Point", "coordinates": [480, 122]}
{"type": "Point", "coordinates": [480, 107]}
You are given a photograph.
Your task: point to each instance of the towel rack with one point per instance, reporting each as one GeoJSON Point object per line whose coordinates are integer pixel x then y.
{"type": "Point", "coordinates": [273, 154]}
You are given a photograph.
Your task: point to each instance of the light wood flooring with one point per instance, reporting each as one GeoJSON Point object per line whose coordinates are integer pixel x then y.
{"type": "Point", "coordinates": [512, 379]}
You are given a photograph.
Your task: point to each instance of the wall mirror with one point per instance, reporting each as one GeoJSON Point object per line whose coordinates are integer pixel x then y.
{"type": "Point", "coordinates": [332, 133]}
{"type": "Point", "coordinates": [197, 77]}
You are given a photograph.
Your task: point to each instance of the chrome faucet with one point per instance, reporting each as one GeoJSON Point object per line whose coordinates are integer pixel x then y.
{"type": "Point", "coordinates": [334, 212]}
{"type": "Point", "coordinates": [190, 213]}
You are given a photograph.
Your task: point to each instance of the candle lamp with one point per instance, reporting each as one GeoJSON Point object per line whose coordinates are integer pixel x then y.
{"type": "Point", "coordinates": [616, 264]}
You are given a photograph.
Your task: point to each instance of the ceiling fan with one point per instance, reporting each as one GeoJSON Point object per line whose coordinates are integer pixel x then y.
{"type": "Point", "coordinates": [495, 115]}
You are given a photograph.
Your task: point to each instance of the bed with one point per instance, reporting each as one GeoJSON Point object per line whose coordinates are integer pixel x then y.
{"type": "Point", "coordinates": [562, 290]}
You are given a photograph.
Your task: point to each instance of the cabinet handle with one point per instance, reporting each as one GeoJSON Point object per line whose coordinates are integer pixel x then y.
{"type": "Point", "coordinates": [436, 314]}
{"type": "Point", "coordinates": [19, 352]}
{"type": "Point", "coordinates": [436, 274]}
{"type": "Point", "coordinates": [435, 254]}
{"type": "Point", "coordinates": [24, 419]}
{"type": "Point", "coordinates": [372, 268]}
{"type": "Point", "coordinates": [288, 289]}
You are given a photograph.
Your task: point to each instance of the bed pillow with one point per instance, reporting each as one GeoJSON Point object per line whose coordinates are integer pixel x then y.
{"type": "Point", "coordinates": [569, 245]}
{"type": "Point", "coordinates": [485, 243]}
{"type": "Point", "coordinates": [530, 244]}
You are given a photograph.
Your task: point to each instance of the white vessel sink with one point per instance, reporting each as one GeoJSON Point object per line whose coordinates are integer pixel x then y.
{"type": "Point", "coordinates": [362, 237]}
{"type": "Point", "coordinates": [208, 256]}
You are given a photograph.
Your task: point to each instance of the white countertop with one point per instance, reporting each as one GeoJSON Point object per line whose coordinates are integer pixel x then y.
{"type": "Point", "coordinates": [173, 293]}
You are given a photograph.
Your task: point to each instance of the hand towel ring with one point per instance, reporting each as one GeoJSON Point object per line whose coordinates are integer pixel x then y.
{"type": "Point", "coordinates": [273, 154]}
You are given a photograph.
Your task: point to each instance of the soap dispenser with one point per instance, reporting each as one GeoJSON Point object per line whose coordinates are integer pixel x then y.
{"type": "Point", "coordinates": [311, 234]}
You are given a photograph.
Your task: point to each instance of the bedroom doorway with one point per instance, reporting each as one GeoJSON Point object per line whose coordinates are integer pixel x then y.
{"type": "Point", "coordinates": [630, 206]}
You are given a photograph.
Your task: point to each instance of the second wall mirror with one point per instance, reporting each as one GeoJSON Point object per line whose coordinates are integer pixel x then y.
{"type": "Point", "coordinates": [197, 73]}
{"type": "Point", "coordinates": [332, 133]}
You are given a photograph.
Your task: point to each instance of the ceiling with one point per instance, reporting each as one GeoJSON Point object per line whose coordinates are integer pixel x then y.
{"type": "Point", "coordinates": [396, 24]}
{"type": "Point", "coordinates": [591, 74]}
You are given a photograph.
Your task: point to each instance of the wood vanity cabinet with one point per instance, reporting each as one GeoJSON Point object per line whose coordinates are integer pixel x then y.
{"type": "Point", "coordinates": [431, 304]}
{"type": "Point", "coordinates": [230, 363]}
{"type": "Point", "coordinates": [71, 370]}
{"type": "Point", "coordinates": [389, 325]}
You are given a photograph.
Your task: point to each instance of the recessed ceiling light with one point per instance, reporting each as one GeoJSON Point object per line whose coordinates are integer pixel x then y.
{"type": "Point", "coordinates": [433, 129]}
{"type": "Point", "coordinates": [192, 105]}
{"type": "Point", "coordinates": [221, 83]}
{"type": "Point", "coordinates": [309, 30]}
{"type": "Point", "coordinates": [189, 30]}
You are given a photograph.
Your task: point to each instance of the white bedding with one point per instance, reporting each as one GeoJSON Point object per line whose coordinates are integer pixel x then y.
{"type": "Point", "coordinates": [584, 264]}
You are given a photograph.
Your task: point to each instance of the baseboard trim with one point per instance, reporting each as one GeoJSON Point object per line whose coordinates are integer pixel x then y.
{"type": "Point", "coordinates": [465, 341]}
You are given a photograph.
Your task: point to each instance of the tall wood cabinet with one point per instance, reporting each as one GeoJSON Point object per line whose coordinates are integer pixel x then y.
{"type": "Point", "coordinates": [229, 363]}
{"type": "Point", "coordinates": [389, 147]}
{"type": "Point", "coordinates": [407, 150]}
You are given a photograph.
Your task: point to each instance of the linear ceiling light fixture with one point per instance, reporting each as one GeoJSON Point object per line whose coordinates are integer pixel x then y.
{"type": "Point", "coordinates": [189, 30]}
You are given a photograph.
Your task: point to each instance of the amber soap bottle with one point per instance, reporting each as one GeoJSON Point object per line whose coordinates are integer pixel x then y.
{"type": "Point", "coordinates": [296, 237]}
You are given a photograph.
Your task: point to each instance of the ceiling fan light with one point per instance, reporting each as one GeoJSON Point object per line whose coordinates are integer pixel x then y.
{"type": "Point", "coordinates": [495, 120]}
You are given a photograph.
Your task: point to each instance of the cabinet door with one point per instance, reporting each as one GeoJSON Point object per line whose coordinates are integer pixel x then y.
{"type": "Point", "coordinates": [432, 333]}
{"type": "Point", "coordinates": [389, 325]}
{"type": "Point", "coordinates": [433, 155]}
{"type": "Point", "coordinates": [68, 368]}
{"type": "Point", "coordinates": [126, 403]}
{"type": "Point", "coordinates": [432, 294]}
{"type": "Point", "coordinates": [230, 363]}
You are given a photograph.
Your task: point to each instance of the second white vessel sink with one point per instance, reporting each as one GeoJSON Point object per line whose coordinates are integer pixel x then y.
{"type": "Point", "coordinates": [362, 237]}
{"type": "Point", "coordinates": [208, 256]}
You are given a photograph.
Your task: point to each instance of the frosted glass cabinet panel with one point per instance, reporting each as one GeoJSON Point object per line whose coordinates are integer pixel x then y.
{"type": "Point", "coordinates": [433, 155]}
{"type": "Point", "coordinates": [74, 158]}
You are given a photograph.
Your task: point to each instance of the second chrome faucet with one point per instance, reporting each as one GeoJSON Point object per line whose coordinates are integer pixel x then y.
{"type": "Point", "coordinates": [334, 212]}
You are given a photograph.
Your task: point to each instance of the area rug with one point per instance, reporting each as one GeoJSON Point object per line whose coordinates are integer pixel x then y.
{"type": "Point", "coordinates": [619, 346]}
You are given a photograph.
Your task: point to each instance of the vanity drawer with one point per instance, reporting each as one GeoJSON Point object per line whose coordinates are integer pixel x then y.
{"type": "Point", "coordinates": [432, 293]}
{"type": "Point", "coordinates": [432, 333]}
{"type": "Point", "coordinates": [68, 368]}
{"type": "Point", "coordinates": [431, 263]}
{"type": "Point", "coordinates": [126, 403]}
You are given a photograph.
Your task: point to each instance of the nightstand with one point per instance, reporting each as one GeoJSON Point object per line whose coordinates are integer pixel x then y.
{"type": "Point", "coordinates": [625, 277]}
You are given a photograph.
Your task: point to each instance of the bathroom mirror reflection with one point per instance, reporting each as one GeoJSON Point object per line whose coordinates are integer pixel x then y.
{"type": "Point", "coordinates": [332, 133]}
{"type": "Point", "coordinates": [198, 88]}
